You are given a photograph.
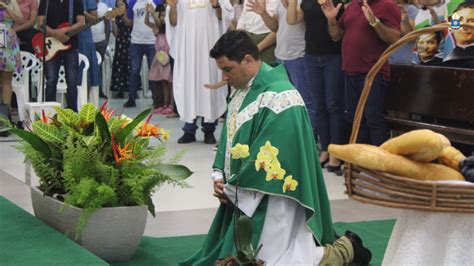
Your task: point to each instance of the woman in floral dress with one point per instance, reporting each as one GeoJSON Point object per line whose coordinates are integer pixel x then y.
{"type": "Point", "coordinates": [121, 62]}
{"type": "Point", "coordinates": [10, 58]}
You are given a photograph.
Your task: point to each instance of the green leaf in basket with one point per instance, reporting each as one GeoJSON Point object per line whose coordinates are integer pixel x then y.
{"type": "Point", "coordinates": [87, 113]}
{"type": "Point", "coordinates": [243, 233]}
{"type": "Point", "coordinates": [174, 171]}
{"type": "Point", "coordinates": [48, 132]}
{"type": "Point", "coordinates": [36, 142]}
{"type": "Point", "coordinates": [68, 116]}
{"type": "Point", "coordinates": [151, 206]}
{"type": "Point", "coordinates": [103, 127]}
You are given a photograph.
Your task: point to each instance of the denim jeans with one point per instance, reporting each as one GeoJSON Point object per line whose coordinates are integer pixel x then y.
{"type": "Point", "coordinates": [326, 80]}
{"type": "Point", "coordinates": [70, 59]}
{"type": "Point", "coordinates": [136, 54]}
{"type": "Point", "coordinates": [296, 69]}
{"type": "Point", "coordinates": [206, 127]}
{"type": "Point", "coordinates": [373, 128]}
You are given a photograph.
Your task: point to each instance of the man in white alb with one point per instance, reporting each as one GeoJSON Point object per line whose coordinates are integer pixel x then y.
{"type": "Point", "coordinates": [196, 28]}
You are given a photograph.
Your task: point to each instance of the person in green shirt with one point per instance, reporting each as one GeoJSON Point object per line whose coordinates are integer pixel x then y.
{"type": "Point", "coordinates": [280, 182]}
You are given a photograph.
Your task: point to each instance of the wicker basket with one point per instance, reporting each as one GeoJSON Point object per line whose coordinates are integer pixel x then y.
{"type": "Point", "coordinates": [387, 190]}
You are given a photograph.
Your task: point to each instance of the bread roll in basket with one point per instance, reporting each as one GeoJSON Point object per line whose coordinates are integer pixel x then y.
{"type": "Point", "coordinates": [411, 187]}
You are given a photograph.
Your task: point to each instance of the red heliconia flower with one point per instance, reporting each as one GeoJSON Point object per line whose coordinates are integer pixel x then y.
{"type": "Point", "coordinates": [44, 118]}
{"type": "Point", "coordinates": [106, 112]}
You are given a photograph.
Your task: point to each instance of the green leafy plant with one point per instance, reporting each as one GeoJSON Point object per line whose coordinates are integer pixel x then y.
{"type": "Point", "coordinates": [246, 254]}
{"type": "Point", "coordinates": [96, 159]}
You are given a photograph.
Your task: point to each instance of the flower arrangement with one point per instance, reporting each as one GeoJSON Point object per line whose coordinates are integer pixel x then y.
{"type": "Point", "coordinates": [96, 159]}
{"type": "Point", "coordinates": [267, 159]}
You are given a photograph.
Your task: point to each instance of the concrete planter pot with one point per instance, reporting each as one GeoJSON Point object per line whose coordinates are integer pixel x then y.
{"type": "Point", "coordinates": [113, 234]}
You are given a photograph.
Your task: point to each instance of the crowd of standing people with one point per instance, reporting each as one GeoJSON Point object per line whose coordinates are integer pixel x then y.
{"type": "Point", "coordinates": [327, 48]}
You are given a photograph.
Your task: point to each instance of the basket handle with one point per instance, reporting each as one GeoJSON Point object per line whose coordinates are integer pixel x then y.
{"type": "Point", "coordinates": [376, 68]}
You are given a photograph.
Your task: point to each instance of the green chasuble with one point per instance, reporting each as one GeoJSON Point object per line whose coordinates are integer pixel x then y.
{"type": "Point", "coordinates": [270, 110]}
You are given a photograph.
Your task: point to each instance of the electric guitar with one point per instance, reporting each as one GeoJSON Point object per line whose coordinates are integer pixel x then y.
{"type": "Point", "coordinates": [54, 46]}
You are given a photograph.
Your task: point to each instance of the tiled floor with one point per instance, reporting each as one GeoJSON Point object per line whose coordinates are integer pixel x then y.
{"type": "Point", "coordinates": [180, 211]}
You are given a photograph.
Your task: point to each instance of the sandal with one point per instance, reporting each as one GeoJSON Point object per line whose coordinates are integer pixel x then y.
{"type": "Point", "coordinates": [159, 110]}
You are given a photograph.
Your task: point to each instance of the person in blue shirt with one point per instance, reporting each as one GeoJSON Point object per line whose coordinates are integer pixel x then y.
{"type": "Point", "coordinates": [142, 43]}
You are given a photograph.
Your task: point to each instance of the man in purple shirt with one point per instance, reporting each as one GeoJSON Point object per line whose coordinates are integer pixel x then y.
{"type": "Point", "coordinates": [367, 29]}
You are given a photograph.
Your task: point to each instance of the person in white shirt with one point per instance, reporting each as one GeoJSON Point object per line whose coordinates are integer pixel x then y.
{"type": "Point", "coordinates": [100, 35]}
{"type": "Point", "coordinates": [142, 43]}
{"type": "Point", "coordinates": [254, 25]}
{"type": "Point", "coordinates": [290, 47]}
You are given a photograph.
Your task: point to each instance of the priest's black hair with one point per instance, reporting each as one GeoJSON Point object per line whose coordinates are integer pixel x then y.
{"type": "Point", "coordinates": [467, 4]}
{"type": "Point", "coordinates": [235, 45]}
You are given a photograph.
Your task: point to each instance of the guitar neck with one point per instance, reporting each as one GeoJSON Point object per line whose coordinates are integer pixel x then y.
{"type": "Point", "coordinates": [84, 27]}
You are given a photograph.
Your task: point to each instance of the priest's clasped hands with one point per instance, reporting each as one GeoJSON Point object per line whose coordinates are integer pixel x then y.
{"type": "Point", "coordinates": [219, 191]}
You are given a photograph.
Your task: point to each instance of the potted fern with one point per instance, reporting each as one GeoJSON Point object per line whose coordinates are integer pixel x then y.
{"type": "Point", "coordinates": [97, 174]}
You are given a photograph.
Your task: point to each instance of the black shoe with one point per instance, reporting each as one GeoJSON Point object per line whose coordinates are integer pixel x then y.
{"type": "Point", "coordinates": [336, 169]}
{"type": "Point", "coordinates": [119, 95]}
{"type": "Point", "coordinates": [187, 138]}
{"type": "Point", "coordinates": [19, 125]}
{"type": "Point", "coordinates": [129, 103]}
{"type": "Point", "coordinates": [209, 138]}
{"type": "Point", "coordinates": [102, 95]}
{"type": "Point", "coordinates": [362, 255]}
{"type": "Point", "coordinates": [323, 163]}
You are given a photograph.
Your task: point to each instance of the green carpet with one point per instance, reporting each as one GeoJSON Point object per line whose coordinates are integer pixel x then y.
{"type": "Point", "coordinates": [169, 250]}
{"type": "Point", "coordinates": [25, 240]}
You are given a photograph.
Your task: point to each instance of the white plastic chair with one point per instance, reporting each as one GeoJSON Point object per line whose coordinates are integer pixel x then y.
{"type": "Point", "coordinates": [144, 76]}
{"type": "Point", "coordinates": [20, 82]}
{"type": "Point", "coordinates": [94, 90]}
{"type": "Point", "coordinates": [36, 79]}
{"type": "Point", "coordinates": [107, 70]}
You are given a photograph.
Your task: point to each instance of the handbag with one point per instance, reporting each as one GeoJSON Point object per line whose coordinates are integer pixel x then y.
{"type": "Point", "coordinates": [162, 57]}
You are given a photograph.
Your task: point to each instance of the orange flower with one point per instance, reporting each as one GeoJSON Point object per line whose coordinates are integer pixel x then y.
{"type": "Point", "coordinates": [106, 113]}
{"type": "Point", "coordinates": [122, 154]}
{"type": "Point", "coordinates": [148, 130]}
{"type": "Point", "coordinates": [44, 118]}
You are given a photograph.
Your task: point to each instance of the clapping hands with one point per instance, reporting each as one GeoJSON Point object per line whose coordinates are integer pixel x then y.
{"type": "Point", "coordinates": [368, 13]}
{"type": "Point", "coordinates": [257, 6]}
{"type": "Point", "coordinates": [329, 10]}
{"type": "Point", "coordinates": [149, 8]}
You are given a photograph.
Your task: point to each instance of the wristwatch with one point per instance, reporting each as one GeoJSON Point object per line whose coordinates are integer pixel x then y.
{"type": "Point", "coordinates": [375, 23]}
